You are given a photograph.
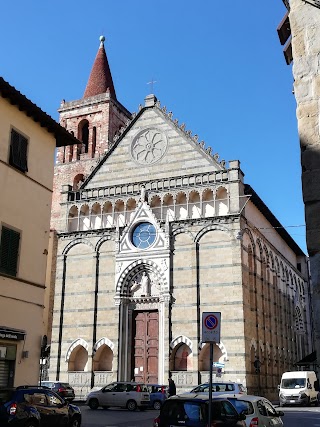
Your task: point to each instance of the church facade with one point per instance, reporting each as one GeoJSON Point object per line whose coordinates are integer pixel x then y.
{"type": "Point", "coordinates": [150, 231]}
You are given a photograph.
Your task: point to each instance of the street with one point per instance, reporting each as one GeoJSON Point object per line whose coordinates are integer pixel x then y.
{"type": "Point", "coordinates": [294, 417]}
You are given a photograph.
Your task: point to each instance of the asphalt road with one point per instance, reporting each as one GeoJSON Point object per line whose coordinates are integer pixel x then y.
{"type": "Point", "coordinates": [294, 417]}
{"type": "Point", "coordinates": [301, 417]}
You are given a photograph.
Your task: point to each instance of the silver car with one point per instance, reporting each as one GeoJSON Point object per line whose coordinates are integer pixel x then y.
{"type": "Point", "coordinates": [220, 387]}
{"type": "Point", "coordinates": [128, 395]}
{"type": "Point", "coordinates": [259, 411]}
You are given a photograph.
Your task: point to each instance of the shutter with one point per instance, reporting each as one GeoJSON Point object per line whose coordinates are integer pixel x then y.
{"type": "Point", "coordinates": [23, 153]}
{"type": "Point", "coordinates": [18, 151]}
{"type": "Point", "coordinates": [14, 149]}
{"type": "Point", "coordinates": [4, 373]}
{"type": "Point", "coordinates": [9, 249]}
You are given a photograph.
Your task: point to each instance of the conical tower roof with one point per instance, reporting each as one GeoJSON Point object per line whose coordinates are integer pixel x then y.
{"type": "Point", "coordinates": [100, 80]}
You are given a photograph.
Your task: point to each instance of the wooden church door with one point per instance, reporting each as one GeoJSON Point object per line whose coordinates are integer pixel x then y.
{"type": "Point", "coordinates": [145, 346]}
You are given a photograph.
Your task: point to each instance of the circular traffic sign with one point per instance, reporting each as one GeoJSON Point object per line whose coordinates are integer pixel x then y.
{"type": "Point", "coordinates": [211, 321]}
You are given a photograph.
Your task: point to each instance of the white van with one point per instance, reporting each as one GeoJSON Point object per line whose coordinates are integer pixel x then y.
{"type": "Point", "coordinates": [298, 388]}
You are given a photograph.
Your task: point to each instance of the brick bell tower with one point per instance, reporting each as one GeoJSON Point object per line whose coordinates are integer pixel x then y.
{"type": "Point", "coordinates": [94, 120]}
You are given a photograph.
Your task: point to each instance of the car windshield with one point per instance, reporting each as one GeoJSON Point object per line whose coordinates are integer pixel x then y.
{"type": "Point", "coordinates": [242, 406]}
{"type": "Point", "coordinates": [180, 411]}
{"type": "Point", "coordinates": [293, 383]}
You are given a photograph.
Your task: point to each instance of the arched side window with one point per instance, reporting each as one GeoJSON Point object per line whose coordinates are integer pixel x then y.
{"type": "Point", "coordinates": [84, 219]}
{"type": "Point", "coordinates": [194, 205]}
{"type": "Point", "coordinates": [208, 203]}
{"type": "Point", "coordinates": [95, 217]}
{"type": "Point", "coordinates": [204, 356]}
{"type": "Point", "coordinates": [182, 358]}
{"type": "Point", "coordinates": [155, 205]}
{"type": "Point", "coordinates": [103, 359]}
{"type": "Point", "coordinates": [119, 213]}
{"type": "Point", "coordinates": [168, 208]}
{"type": "Point", "coordinates": [222, 205]}
{"type": "Point", "coordinates": [78, 359]}
{"type": "Point", "coordinates": [181, 206]}
{"type": "Point", "coordinates": [107, 215]}
{"type": "Point", "coordinates": [73, 219]}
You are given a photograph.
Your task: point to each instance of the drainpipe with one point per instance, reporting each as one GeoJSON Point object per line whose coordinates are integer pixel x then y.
{"type": "Point", "coordinates": [61, 316]}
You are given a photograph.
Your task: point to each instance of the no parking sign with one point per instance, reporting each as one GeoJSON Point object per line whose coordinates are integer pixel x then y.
{"type": "Point", "coordinates": [211, 325]}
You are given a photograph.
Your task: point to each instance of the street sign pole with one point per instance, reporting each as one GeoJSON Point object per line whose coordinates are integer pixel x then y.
{"type": "Point", "coordinates": [211, 325]}
{"type": "Point", "coordinates": [210, 385]}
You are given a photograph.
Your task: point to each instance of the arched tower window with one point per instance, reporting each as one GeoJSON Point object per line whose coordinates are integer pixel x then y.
{"type": "Point", "coordinates": [94, 141]}
{"type": "Point", "coordinates": [77, 181]}
{"type": "Point", "coordinates": [83, 135]}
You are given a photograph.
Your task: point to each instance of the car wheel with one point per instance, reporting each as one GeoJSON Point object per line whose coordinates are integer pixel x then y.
{"type": "Point", "coordinates": [75, 422]}
{"type": "Point", "coordinates": [157, 405]}
{"type": "Point", "coordinates": [93, 404]}
{"type": "Point", "coordinates": [105, 407]}
{"type": "Point", "coordinates": [131, 405]}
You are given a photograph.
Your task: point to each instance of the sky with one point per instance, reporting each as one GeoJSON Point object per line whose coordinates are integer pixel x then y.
{"type": "Point", "coordinates": [218, 66]}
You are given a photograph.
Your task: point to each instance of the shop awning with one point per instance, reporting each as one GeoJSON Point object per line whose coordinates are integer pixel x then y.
{"type": "Point", "coordinates": [7, 333]}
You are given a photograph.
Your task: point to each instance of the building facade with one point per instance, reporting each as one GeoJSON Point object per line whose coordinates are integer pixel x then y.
{"type": "Point", "coordinates": [151, 230]}
{"type": "Point", "coordinates": [28, 138]}
{"type": "Point", "coordinates": [301, 33]}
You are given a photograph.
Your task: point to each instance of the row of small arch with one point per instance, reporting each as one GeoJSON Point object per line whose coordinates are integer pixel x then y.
{"type": "Point", "coordinates": [172, 207]}
{"type": "Point", "coordinates": [272, 262]}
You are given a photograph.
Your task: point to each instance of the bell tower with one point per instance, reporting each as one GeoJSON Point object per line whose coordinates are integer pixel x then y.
{"type": "Point", "coordinates": [94, 120]}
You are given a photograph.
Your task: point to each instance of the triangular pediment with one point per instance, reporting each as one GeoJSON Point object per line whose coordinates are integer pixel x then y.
{"type": "Point", "coordinates": [143, 216]}
{"type": "Point", "coordinates": [153, 146]}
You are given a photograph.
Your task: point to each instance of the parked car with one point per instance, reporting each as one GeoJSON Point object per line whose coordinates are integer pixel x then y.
{"type": "Point", "coordinates": [130, 395]}
{"type": "Point", "coordinates": [158, 394]}
{"type": "Point", "coordinates": [220, 388]}
{"type": "Point", "coordinates": [35, 406]}
{"type": "Point", "coordinates": [193, 411]}
{"type": "Point", "coordinates": [62, 389]}
{"type": "Point", "coordinates": [259, 411]}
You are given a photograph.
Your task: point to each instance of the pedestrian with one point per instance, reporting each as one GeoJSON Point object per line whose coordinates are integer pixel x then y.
{"type": "Point", "coordinates": [172, 387]}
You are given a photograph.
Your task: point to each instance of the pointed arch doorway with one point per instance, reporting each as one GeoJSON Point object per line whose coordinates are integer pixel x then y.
{"type": "Point", "coordinates": [145, 345]}
{"type": "Point", "coordinates": [143, 307]}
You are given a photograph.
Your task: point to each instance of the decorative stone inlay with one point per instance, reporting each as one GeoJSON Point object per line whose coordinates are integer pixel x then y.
{"type": "Point", "coordinates": [149, 146]}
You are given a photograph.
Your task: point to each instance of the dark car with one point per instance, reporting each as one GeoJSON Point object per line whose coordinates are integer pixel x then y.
{"type": "Point", "coordinates": [62, 389]}
{"type": "Point", "coordinates": [158, 394]}
{"type": "Point", "coordinates": [193, 411]}
{"type": "Point", "coordinates": [34, 406]}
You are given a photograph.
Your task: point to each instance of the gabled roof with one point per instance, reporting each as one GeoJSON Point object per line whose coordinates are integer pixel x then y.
{"type": "Point", "coordinates": [100, 80]}
{"type": "Point", "coordinates": [263, 208]}
{"type": "Point", "coordinates": [63, 137]}
{"type": "Point", "coordinates": [152, 102]}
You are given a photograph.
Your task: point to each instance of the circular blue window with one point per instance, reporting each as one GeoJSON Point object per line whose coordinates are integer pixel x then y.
{"type": "Point", "coordinates": [143, 235]}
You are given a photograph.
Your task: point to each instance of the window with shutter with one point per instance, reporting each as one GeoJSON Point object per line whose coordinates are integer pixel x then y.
{"type": "Point", "coordinates": [9, 251]}
{"type": "Point", "coordinates": [18, 151]}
